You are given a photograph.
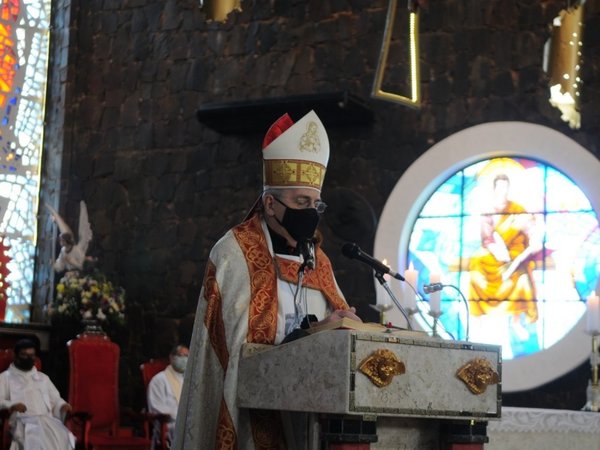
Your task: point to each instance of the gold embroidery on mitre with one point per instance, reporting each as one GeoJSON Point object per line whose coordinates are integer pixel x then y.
{"type": "Point", "coordinates": [309, 141]}
{"type": "Point", "coordinates": [478, 374]}
{"type": "Point", "coordinates": [284, 172]}
{"type": "Point", "coordinates": [310, 174]}
{"type": "Point", "coordinates": [293, 172]}
{"type": "Point", "coordinates": [381, 367]}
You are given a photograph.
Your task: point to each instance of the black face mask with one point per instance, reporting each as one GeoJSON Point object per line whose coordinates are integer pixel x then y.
{"type": "Point", "coordinates": [300, 223]}
{"type": "Point", "coordinates": [25, 364]}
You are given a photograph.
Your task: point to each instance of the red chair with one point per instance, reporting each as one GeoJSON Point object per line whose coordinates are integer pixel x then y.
{"type": "Point", "coordinates": [94, 388]}
{"type": "Point", "coordinates": [149, 369]}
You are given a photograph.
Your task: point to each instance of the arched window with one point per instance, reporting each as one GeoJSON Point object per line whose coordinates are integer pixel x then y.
{"type": "Point", "coordinates": [24, 33]}
{"type": "Point", "coordinates": [507, 216]}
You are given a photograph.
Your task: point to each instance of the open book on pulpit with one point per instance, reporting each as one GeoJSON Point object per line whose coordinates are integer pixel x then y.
{"type": "Point", "coordinates": [345, 323]}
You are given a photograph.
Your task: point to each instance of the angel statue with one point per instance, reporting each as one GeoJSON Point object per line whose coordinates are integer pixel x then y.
{"type": "Point", "coordinates": [72, 256]}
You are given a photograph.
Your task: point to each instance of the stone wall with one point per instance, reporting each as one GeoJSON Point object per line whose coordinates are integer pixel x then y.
{"type": "Point", "coordinates": [161, 188]}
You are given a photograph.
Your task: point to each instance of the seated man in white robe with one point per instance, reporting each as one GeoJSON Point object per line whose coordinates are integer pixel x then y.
{"type": "Point", "coordinates": [164, 390]}
{"type": "Point", "coordinates": [36, 407]}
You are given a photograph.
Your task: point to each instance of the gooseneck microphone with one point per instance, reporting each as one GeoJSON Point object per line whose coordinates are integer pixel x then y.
{"type": "Point", "coordinates": [353, 251]}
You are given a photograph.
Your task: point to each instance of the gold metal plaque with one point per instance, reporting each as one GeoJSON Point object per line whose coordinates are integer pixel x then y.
{"type": "Point", "coordinates": [478, 374]}
{"type": "Point", "coordinates": [381, 367]}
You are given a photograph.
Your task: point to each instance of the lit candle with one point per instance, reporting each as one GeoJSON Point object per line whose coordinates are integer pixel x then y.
{"type": "Point", "coordinates": [410, 276]}
{"type": "Point", "coordinates": [593, 313]}
{"type": "Point", "coordinates": [435, 297]}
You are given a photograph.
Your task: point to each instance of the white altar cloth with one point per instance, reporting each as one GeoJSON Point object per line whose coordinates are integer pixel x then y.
{"type": "Point", "coordinates": [544, 429]}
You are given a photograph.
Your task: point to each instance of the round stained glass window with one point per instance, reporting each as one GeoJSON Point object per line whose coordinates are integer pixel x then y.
{"type": "Point", "coordinates": [521, 242]}
{"type": "Point", "coordinates": [504, 216]}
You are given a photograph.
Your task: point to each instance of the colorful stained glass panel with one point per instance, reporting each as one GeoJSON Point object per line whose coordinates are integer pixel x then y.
{"type": "Point", "coordinates": [24, 35]}
{"type": "Point", "coordinates": [520, 242]}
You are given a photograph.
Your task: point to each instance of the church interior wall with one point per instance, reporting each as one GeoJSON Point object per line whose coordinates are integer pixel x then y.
{"type": "Point", "coordinates": [161, 187]}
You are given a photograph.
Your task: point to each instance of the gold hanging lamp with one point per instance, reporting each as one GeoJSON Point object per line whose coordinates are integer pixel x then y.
{"type": "Point", "coordinates": [218, 10]}
{"type": "Point", "coordinates": [414, 98]}
{"type": "Point", "coordinates": [563, 63]}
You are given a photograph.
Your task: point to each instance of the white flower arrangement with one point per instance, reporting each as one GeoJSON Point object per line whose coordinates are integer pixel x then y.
{"type": "Point", "coordinates": [90, 297]}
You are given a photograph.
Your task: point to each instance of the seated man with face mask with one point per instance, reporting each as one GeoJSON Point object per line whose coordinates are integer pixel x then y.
{"type": "Point", "coordinates": [36, 407]}
{"type": "Point", "coordinates": [252, 291]}
{"type": "Point", "coordinates": [164, 390]}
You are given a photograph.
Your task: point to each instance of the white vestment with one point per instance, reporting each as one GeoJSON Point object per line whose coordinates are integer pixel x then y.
{"type": "Point", "coordinates": [210, 385]}
{"type": "Point", "coordinates": [40, 427]}
{"type": "Point", "coordinates": [162, 399]}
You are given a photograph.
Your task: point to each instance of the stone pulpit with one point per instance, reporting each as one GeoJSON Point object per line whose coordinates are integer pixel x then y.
{"type": "Point", "coordinates": [378, 390]}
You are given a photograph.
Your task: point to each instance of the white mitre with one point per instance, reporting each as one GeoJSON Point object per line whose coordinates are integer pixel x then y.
{"type": "Point", "coordinates": [297, 155]}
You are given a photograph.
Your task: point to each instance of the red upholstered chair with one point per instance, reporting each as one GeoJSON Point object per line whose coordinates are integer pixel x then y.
{"type": "Point", "coordinates": [94, 388]}
{"type": "Point", "coordinates": [149, 369]}
{"type": "Point", "coordinates": [7, 355]}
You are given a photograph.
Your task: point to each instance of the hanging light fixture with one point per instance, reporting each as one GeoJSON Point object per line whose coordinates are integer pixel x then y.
{"type": "Point", "coordinates": [414, 98]}
{"type": "Point", "coordinates": [562, 62]}
{"type": "Point", "coordinates": [218, 10]}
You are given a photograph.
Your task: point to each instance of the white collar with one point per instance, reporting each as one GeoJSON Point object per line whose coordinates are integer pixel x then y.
{"type": "Point", "coordinates": [33, 373]}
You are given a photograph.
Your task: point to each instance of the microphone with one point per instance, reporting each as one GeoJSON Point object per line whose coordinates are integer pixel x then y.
{"type": "Point", "coordinates": [432, 287]}
{"type": "Point", "coordinates": [307, 250]}
{"type": "Point", "coordinates": [353, 251]}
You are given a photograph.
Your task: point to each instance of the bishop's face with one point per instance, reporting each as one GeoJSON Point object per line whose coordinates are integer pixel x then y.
{"type": "Point", "coordinates": [295, 198]}
{"type": "Point", "coordinates": [294, 213]}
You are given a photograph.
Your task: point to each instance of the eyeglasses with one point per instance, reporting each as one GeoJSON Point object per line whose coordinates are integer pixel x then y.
{"type": "Point", "coordinates": [305, 202]}
{"type": "Point", "coordinates": [320, 206]}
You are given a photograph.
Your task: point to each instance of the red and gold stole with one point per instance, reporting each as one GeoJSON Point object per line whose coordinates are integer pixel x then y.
{"type": "Point", "coordinates": [213, 320]}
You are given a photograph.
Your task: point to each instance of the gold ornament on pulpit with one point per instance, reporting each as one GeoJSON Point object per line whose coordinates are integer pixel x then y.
{"type": "Point", "coordinates": [381, 367]}
{"type": "Point", "coordinates": [477, 375]}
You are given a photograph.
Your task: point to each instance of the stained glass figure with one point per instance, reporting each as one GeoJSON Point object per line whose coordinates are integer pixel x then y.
{"type": "Point", "coordinates": [521, 241]}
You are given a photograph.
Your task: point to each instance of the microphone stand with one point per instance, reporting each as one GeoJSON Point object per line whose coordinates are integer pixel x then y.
{"type": "Point", "coordinates": [466, 302]}
{"type": "Point", "coordinates": [307, 251]}
{"type": "Point", "coordinates": [386, 286]}
{"type": "Point", "coordinates": [297, 331]}
{"type": "Point", "coordinates": [297, 297]}
{"type": "Point", "coordinates": [434, 287]}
